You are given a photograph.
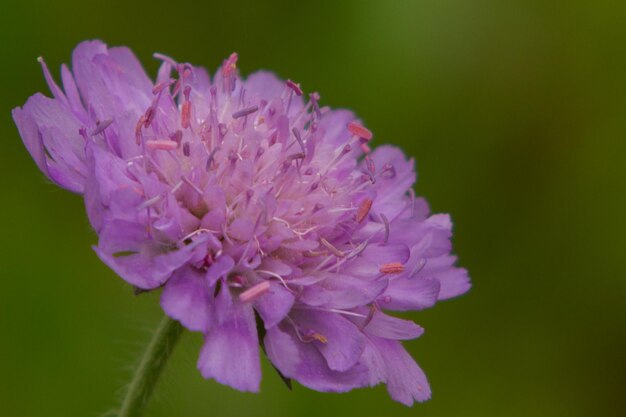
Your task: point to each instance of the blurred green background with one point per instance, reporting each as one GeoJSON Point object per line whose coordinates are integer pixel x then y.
{"type": "Point", "coordinates": [516, 115]}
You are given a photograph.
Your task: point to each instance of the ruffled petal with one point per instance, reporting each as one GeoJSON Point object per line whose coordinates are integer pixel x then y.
{"type": "Point", "coordinates": [127, 248]}
{"type": "Point", "coordinates": [230, 353]}
{"type": "Point", "coordinates": [388, 327]}
{"type": "Point", "coordinates": [304, 363]}
{"type": "Point", "coordinates": [407, 294]}
{"type": "Point", "coordinates": [51, 134]}
{"type": "Point", "coordinates": [343, 291]}
{"type": "Point", "coordinates": [454, 282]}
{"type": "Point", "coordinates": [274, 305]}
{"type": "Point", "coordinates": [186, 298]}
{"type": "Point", "coordinates": [337, 338]}
{"type": "Point", "coordinates": [218, 269]}
{"type": "Point", "coordinates": [395, 176]}
{"type": "Point", "coordinates": [110, 81]}
{"type": "Point", "coordinates": [265, 85]}
{"type": "Point", "coordinates": [389, 362]}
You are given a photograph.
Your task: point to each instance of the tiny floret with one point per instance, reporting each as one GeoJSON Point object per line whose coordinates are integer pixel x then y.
{"type": "Point", "coordinates": [267, 222]}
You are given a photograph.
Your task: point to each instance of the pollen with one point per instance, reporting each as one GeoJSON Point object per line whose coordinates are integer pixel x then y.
{"type": "Point", "coordinates": [319, 337]}
{"type": "Point", "coordinates": [363, 210]}
{"type": "Point", "coordinates": [392, 268]}
{"type": "Point", "coordinates": [185, 114]}
{"type": "Point", "coordinates": [162, 145]}
{"type": "Point", "coordinates": [295, 87]}
{"type": "Point", "coordinates": [359, 130]}
{"type": "Point", "coordinates": [254, 292]}
{"type": "Point", "coordinates": [230, 65]}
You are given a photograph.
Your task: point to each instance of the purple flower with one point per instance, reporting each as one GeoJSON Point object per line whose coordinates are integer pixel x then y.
{"type": "Point", "coordinates": [265, 218]}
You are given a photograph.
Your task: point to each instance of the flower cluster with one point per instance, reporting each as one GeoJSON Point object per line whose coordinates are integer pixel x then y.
{"type": "Point", "coordinates": [266, 218]}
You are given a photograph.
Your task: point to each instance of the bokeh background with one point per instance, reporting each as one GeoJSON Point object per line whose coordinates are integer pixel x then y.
{"type": "Point", "coordinates": [516, 114]}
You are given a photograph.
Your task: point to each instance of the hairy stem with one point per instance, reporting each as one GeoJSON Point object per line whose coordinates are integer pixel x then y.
{"type": "Point", "coordinates": [152, 363]}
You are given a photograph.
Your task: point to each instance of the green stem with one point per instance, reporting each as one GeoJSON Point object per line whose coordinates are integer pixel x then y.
{"type": "Point", "coordinates": [152, 363]}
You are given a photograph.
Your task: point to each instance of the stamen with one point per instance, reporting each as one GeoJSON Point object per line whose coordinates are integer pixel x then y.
{"type": "Point", "coordinates": [296, 133]}
{"type": "Point", "coordinates": [176, 187]}
{"type": "Point", "coordinates": [392, 268]}
{"type": "Point", "coordinates": [161, 145]}
{"type": "Point", "coordinates": [223, 130]}
{"type": "Point", "coordinates": [255, 292]}
{"type": "Point", "coordinates": [259, 152]}
{"type": "Point", "coordinates": [176, 136]}
{"type": "Point", "coordinates": [150, 202]}
{"type": "Point", "coordinates": [319, 337]}
{"type": "Point", "coordinates": [363, 210]}
{"type": "Point", "coordinates": [237, 281]}
{"type": "Point", "coordinates": [100, 126]}
{"type": "Point", "coordinates": [313, 254]}
{"type": "Point", "coordinates": [195, 233]}
{"type": "Point", "coordinates": [165, 58]}
{"type": "Point", "coordinates": [185, 114]}
{"type": "Point", "coordinates": [359, 250]}
{"type": "Point", "coordinates": [245, 112]}
{"type": "Point", "coordinates": [162, 85]}
{"type": "Point", "coordinates": [370, 316]}
{"type": "Point", "coordinates": [295, 87]}
{"type": "Point", "coordinates": [386, 223]}
{"type": "Point", "coordinates": [314, 100]}
{"type": "Point", "coordinates": [83, 133]}
{"type": "Point", "coordinates": [210, 159]}
{"type": "Point", "coordinates": [366, 148]}
{"type": "Point", "coordinates": [230, 64]}
{"type": "Point", "coordinates": [369, 163]}
{"type": "Point", "coordinates": [359, 130]}
{"type": "Point", "coordinates": [333, 310]}
{"type": "Point", "coordinates": [148, 117]}
{"type": "Point", "coordinates": [293, 157]}
{"type": "Point", "coordinates": [275, 275]}
{"type": "Point", "coordinates": [192, 185]}
{"type": "Point", "coordinates": [242, 95]}
{"type": "Point", "coordinates": [138, 135]}
{"type": "Point", "coordinates": [418, 267]}
{"type": "Point", "coordinates": [332, 249]}
{"type": "Point", "coordinates": [186, 149]}
{"type": "Point", "coordinates": [187, 73]}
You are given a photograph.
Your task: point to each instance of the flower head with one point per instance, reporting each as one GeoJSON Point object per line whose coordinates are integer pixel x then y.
{"type": "Point", "coordinates": [266, 218]}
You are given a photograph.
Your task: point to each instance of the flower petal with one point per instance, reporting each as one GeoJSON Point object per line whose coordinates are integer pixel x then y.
{"type": "Point", "coordinates": [50, 133]}
{"type": "Point", "coordinates": [396, 175]}
{"type": "Point", "coordinates": [126, 248]}
{"type": "Point", "coordinates": [218, 269]}
{"type": "Point", "coordinates": [406, 294]}
{"type": "Point", "coordinates": [342, 291]}
{"type": "Point", "coordinates": [339, 341]}
{"type": "Point", "coordinates": [389, 362]}
{"type": "Point", "coordinates": [304, 363]}
{"type": "Point", "coordinates": [274, 305]}
{"type": "Point", "coordinates": [388, 327]}
{"type": "Point", "coordinates": [186, 298]}
{"type": "Point", "coordinates": [231, 351]}
{"type": "Point", "coordinates": [111, 81]}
